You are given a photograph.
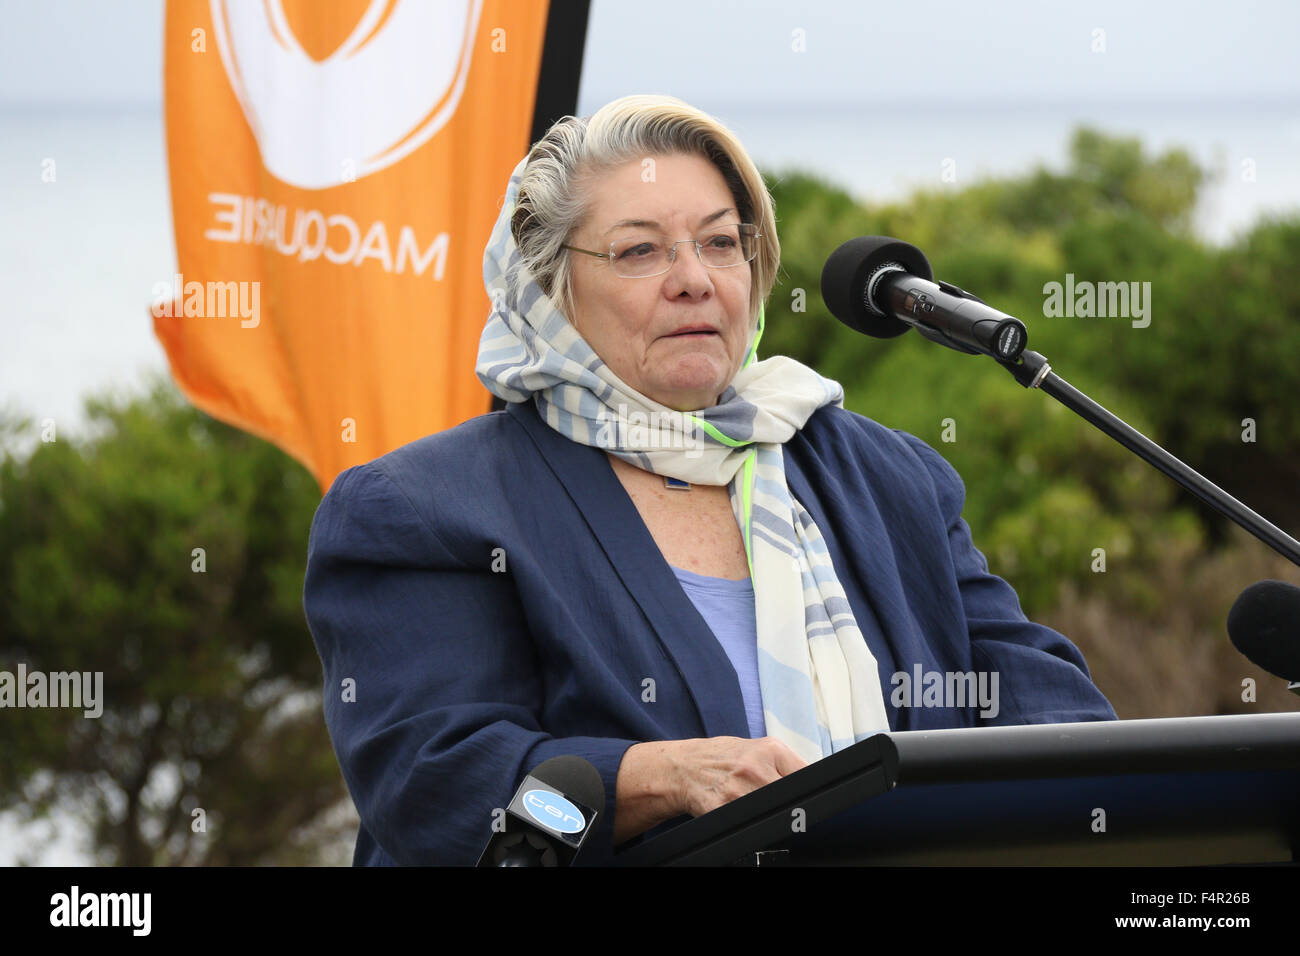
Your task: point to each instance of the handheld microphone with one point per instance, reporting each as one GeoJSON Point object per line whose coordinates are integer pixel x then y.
{"type": "Point", "coordinates": [1264, 625]}
{"type": "Point", "coordinates": [882, 287]}
{"type": "Point", "coordinates": [550, 816]}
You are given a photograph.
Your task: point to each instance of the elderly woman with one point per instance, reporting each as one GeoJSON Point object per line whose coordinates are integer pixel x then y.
{"type": "Point", "coordinates": [694, 569]}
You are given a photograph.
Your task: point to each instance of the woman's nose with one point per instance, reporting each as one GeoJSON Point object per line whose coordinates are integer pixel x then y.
{"type": "Point", "coordinates": [688, 268]}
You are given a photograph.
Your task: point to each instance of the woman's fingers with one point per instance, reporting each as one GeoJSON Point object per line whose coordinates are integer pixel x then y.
{"type": "Point", "coordinates": [717, 770]}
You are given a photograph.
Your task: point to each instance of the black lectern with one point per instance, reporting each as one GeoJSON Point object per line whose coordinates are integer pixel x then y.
{"type": "Point", "coordinates": [1177, 791]}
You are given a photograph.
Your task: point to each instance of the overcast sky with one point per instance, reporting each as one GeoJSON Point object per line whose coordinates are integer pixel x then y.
{"type": "Point", "coordinates": [99, 51]}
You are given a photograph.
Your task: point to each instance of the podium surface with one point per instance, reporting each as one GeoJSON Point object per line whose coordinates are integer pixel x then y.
{"type": "Point", "coordinates": [1170, 791]}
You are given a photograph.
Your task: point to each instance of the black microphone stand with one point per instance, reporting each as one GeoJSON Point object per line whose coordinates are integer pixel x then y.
{"type": "Point", "coordinates": [1033, 371]}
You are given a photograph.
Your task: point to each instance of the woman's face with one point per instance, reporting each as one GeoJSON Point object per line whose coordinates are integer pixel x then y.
{"type": "Point", "coordinates": [635, 324]}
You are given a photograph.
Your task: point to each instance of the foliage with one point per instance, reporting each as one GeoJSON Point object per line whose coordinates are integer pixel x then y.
{"type": "Point", "coordinates": [211, 686]}
{"type": "Point", "coordinates": [1044, 488]}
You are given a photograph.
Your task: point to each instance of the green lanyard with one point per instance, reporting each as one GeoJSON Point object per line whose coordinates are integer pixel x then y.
{"type": "Point", "coordinates": [747, 473]}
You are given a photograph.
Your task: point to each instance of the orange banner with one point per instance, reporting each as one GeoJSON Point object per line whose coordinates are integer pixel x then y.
{"type": "Point", "coordinates": [336, 169]}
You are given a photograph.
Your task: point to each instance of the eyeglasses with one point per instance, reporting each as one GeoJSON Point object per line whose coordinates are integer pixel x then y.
{"type": "Point", "coordinates": [651, 254]}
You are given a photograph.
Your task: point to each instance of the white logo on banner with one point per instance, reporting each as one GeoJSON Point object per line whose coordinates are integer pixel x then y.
{"type": "Point", "coordinates": [394, 82]}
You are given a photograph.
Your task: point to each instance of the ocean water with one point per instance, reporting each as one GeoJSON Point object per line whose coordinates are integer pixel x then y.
{"type": "Point", "coordinates": [79, 255]}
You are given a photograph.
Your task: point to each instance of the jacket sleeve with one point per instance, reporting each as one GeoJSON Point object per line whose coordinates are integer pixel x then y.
{"type": "Point", "coordinates": [431, 693]}
{"type": "Point", "coordinates": [1042, 676]}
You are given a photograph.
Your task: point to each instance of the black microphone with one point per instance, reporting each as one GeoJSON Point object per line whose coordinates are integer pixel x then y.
{"type": "Point", "coordinates": [1264, 625]}
{"type": "Point", "coordinates": [882, 287]}
{"type": "Point", "coordinates": [550, 816]}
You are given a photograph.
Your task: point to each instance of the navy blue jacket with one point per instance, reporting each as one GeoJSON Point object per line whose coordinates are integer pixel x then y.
{"type": "Point", "coordinates": [488, 597]}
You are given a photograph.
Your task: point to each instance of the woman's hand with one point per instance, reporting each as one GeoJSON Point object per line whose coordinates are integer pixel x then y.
{"type": "Point", "coordinates": [711, 771]}
{"type": "Point", "coordinates": [667, 778]}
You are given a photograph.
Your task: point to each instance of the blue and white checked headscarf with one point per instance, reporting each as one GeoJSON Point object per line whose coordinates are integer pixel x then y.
{"type": "Point", "coordinates": [819, 681]}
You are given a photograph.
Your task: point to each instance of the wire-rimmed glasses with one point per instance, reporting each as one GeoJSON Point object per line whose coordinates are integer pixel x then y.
{"type": "Point", "coordinates": [642, 255]}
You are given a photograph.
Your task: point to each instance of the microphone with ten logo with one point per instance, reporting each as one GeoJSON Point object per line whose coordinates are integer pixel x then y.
{"type": "Point", "coordinates": [550, 816]}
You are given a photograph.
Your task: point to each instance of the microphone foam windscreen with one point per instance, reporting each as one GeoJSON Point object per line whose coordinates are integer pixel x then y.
{"type": "Point", "coordinates": [1264, 624]}
{"type": "Point", "coordinates": [574, 777]}
{"type": "Point", "coordinates": [845, 275]}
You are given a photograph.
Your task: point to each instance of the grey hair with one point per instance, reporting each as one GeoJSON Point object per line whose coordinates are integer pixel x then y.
{"type": "Point", "coordinates": [553, 203]}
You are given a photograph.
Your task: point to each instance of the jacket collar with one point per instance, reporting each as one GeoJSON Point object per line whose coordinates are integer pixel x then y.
{"type": "Point", "coordinates": [589, 480]}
